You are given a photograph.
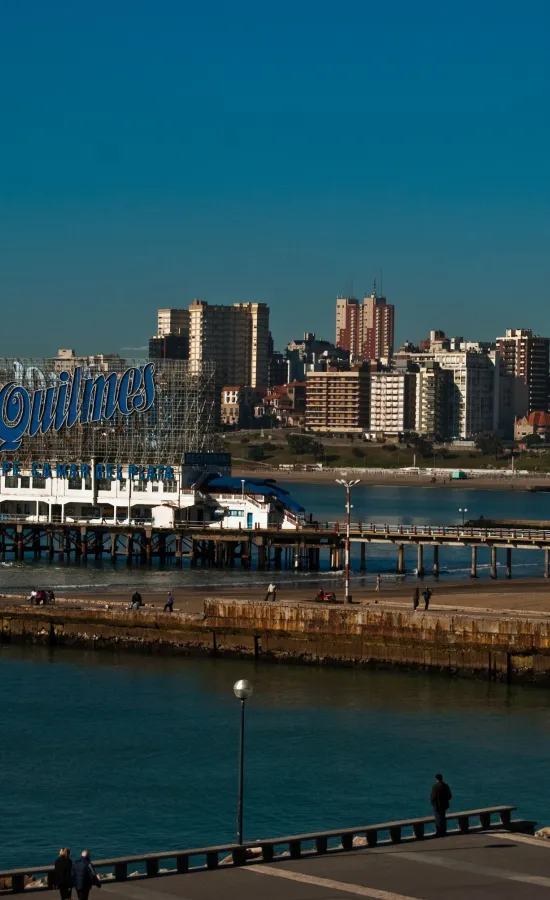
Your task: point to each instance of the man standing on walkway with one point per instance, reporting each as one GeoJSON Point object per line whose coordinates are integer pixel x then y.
{"type": "Point", "coordinates": [427, 594]}
{"type": "Point", "coordinates": [378, 582]}
{"type": "Point", "coordinates": [440, 798]}
{"type": "Point", "coordinates": [169, 605]}
{"type": "Point", "coordinates": [271, 592]}
{"type": "Point", "coordinates": [84, 876]}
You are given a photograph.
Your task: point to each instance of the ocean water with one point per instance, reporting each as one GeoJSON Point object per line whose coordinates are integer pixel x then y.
{"type": "Point", "coordinates": [133, 754]}
{"type": "Point", "coordinates": [385, 504]}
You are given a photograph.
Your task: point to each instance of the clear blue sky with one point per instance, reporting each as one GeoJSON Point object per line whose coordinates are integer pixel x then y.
{"type": "Point", "coordinates": [280, 152]}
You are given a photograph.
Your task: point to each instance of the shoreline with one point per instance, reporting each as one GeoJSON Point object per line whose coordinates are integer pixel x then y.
{"type": "Point", "coordinates": [379, 479]}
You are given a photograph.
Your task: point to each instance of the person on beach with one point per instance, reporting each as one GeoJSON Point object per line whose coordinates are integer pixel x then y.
{"type": "Point", "coordinates": [440, 798]}
{"type": "Point", "coordinates": [84, 876]}
{"type": "Point", "coordinates": [271, 592]}
{"type": "Point", "coordinates": [169, 605]}
{"type": "Point", "coordinates": [427, 594]}
{"type": "Point", "coordinates": [416, 597]}
{"type": "Point", "coordinates": [63, 874]}
{"type": "Point", "coordinates": [136, 601]}
{"type": "Point", "coordinates": [378, 582]}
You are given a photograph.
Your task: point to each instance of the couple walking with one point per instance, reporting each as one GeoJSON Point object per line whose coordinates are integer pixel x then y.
{"type": "Point", "coordinates": [79, 875]}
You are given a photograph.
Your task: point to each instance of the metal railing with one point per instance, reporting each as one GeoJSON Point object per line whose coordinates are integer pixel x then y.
{"type": "Point", "coordinates": [41, 878]}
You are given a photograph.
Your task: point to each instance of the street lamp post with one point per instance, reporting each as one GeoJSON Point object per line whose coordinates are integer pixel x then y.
{"type": "Point", "coordinates": [243, 690]}
{"type": "Point", "coordinates": [348, 486]}
{"type": "Point", "coordinates": [463, 511]}
{"type": "Point", "coordinates": [242, 487]}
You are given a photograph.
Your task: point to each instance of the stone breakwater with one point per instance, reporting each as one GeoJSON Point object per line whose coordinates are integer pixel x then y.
{"type": "Point", "coordinates": [501, 647]}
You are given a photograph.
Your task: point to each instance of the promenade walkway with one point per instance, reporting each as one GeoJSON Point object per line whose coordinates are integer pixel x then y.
{"type": "Point", "coordinates": [475, 866]}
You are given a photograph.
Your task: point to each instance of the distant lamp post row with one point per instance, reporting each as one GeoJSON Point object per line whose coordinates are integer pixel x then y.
{"type": "Point", "coordinates": [348, 486]}
{"type": "Point", "coordinates": [463, 510]}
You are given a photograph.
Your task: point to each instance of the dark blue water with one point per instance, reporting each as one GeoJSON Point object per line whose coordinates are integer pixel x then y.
{"type": "Point", "coordinates": [388, 504]}
{"type": "Point", "coordinates": [133, 754]}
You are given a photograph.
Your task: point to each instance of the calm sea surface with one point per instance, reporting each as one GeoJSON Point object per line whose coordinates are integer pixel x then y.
{"type": "Point", "coordinates": [133, 754]}
{"type": "Point", "coordinates": [130, 754]}
{"type": "Point", "coordinates": [408, 505]}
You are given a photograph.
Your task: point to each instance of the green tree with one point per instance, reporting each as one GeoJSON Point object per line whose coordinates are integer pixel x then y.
{"type": "Point", "coordinates": [489, 444]}
{"type": "Point", "coordinates": [532, 440]}
{"type": "Point", "coordinates": [255, 453]}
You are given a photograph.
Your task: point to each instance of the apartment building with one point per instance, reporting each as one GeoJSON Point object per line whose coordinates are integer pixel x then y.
{"type": "Point", "coordinates": [235, 337]}
{"type": "Point", "coordinates": [431, 384]}
{"type": "Point", "coordinates": [471, 391]}
{"type": "Point", "coordinates": [393, 401]}
{"type": "Point", "coordinates": [172, 321]}
{"type": "Point", "coordinates": [525, 356]}
{"type": "Point", "coordinates": [366, 330]}
{"type": "Point", "coordinates": [338, 402]}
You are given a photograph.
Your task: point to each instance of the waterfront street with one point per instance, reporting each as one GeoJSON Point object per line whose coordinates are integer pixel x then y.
{"type": "Point", "coordinates": [486, 865]}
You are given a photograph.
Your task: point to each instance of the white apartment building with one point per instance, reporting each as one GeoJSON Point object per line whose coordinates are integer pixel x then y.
{"type": "Point", "coordinates": [392, 402]}
{"type": "Point", "coordinates": [235, 337]}
{"type": "Point", "coordinates": [473, 392]}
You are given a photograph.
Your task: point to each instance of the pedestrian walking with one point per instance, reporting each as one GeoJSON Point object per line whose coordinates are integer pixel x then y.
{"type": "Point", "coordinates": [378, 582]}
{"type": "Point", "coordinates": [271, 592]}
{"type": "Point", "coordinates": [440, 798]}
{"type": "Point", "coordinates": [63, 874]}
{"type": "Point", "coordinates": [169, 605]}
{"type": "Point", "coordinates": [427, 594]}
{"type": "Point", "coordinates": [84, 876]}
{"type": "Point", "coordinates": [416, 597]}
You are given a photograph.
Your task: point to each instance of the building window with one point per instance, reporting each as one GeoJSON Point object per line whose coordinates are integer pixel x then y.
{"type": "Point", "coordinates": [75, 484]}
{"type": "Point", "coordinates": [122, 484]}
{"type": "Point", "coordinates": [104, 484]}
{"type": "Point", "coordinates": [170, 487]}
{"type": "Point", "coordinates": [140, 486]}
{"type": "Point", "coordinates": [87, 484]}
{"type": "Point", "coordinates": [39, 482]}
{"type": "Point", "coordinates": [25, 481]}
{"type": "Point", "coordinates": [12, 482]}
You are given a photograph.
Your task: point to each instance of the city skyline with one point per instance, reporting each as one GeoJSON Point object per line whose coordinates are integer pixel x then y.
{"type": "Point", "coordinates": [278, 156]}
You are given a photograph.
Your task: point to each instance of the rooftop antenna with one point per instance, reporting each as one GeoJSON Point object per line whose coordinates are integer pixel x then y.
{"type": "Point", "coordinates": [374, 287]}
{"type": "Point", "coordinates": [381, 284]}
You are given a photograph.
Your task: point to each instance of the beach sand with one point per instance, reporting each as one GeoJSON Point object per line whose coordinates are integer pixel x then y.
{"type": "Point", "coordinates": [483, 483]}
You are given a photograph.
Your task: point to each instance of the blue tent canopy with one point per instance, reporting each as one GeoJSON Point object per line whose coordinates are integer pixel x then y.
{"type": "Point", "coordinates": [265, 487]}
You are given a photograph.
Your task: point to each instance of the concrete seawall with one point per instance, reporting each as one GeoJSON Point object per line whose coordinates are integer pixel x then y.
{"type": "Point", "coordinates": [502, 647]}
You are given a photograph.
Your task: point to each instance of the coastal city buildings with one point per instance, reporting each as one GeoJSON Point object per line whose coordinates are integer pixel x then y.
{"type": "Point", "coordinates": [526, 357]}
{"type": "Point", "coordinates": [172, 338]}
{"type": "Point", "coordinates": [338, 401]}
{"type": "Point", "coordinates": [393, 401]}
{"type": "Point", "coordinates": [172, 321]}
{"type": "Point", "coordinates": [235, 337]}
{"type": "Point", "coordinates": [365, 330]}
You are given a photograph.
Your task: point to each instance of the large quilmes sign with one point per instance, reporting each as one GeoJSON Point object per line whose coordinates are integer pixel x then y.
{"type": "Point", "coordinates": [75, 398]}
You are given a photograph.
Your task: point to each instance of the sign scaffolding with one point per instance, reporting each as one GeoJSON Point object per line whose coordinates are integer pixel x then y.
{"type": "Point", "coordinates": [106, 408]}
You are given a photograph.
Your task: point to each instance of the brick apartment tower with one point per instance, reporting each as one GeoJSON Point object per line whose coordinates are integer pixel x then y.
{"type": "Point", "coordinates": [366, 329]}
{"type": "Point", "coordinates": [526, 356]}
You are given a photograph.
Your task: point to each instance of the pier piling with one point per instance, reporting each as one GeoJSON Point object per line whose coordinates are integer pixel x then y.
{"type": "Point", "coordinates": [436, 561]}
{"type": "Point", "coordinates": [420, 560]}
{"type": "Point", "coordinates": [400, 560]}
{"type": "Point", "coordinates": [493, 561]}
{"type": "Point", "coordinates": [508, 562]}
{"type": "Point", "coordinates": [473, 567]}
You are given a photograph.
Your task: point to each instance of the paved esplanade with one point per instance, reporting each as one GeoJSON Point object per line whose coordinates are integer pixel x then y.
{"type": "Point", "coordinates": [482, 865]}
